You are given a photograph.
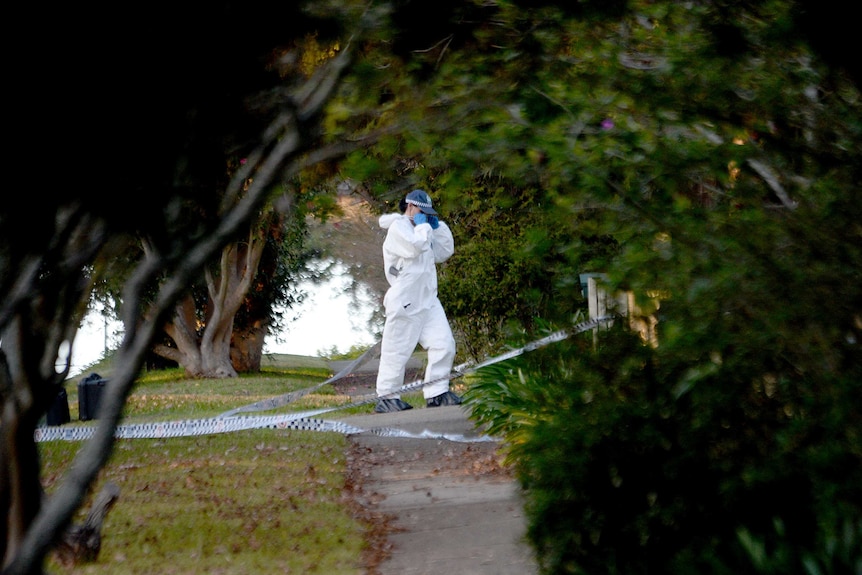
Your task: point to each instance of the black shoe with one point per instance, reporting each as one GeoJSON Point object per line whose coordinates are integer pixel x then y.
{"type": "Point", "coordinates": [391, 405]}
{"type": "Point", "coordinates": [446, 398]}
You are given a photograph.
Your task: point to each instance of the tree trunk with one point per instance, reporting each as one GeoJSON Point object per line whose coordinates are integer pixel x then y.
{"type": "Point", "coordinates": [20, 492]}
{"type": "Point", "coordinates": [181, 330]}
{"type": "Point", "coordinates": [247, 347]}
{"type": "Point", "coordinates": [206, 352]}
{"type": "Point", "coordinates": [20, 485]}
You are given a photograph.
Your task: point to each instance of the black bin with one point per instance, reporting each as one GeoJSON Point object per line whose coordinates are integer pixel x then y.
{"type": "Point", "coordinates": [58, 412]}
{"type": "Point", "coordinates": [90, 391]}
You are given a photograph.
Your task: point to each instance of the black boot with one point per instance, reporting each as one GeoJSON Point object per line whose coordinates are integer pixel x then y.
{"type": "Point", "coordinates": [446, 398]}
{"type": "Point", "coordinates": [391, 405]}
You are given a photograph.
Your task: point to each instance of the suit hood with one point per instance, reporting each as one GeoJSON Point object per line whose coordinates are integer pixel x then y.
{"type": "Point", "coordinates": [386, 220]}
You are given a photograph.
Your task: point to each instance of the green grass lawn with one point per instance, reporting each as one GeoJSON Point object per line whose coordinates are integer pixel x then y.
{"type": "Point", "coordinates": [256, 501]}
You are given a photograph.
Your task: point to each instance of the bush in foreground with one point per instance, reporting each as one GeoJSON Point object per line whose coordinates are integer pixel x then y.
{"type": "Point", "coordinates": [626, 472]}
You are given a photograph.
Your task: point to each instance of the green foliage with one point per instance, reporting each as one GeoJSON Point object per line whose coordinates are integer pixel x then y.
{"type": "Point", "coordinates": [510, 268]}
{"type": "Point", "coordinates": [624, 473]}
{"type": "Point", "coordinates": [706, 156]}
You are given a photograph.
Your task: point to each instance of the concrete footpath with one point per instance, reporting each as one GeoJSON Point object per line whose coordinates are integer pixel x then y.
{"type": "Point", "coordinates": [454, 509]}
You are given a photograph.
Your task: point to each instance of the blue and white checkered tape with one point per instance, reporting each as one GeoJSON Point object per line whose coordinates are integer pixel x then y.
{"type": "Point", "coordinates": [229, 422]}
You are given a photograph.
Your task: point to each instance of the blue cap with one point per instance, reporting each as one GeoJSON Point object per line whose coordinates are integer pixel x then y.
{"type": "Point", "coordinates": [421, 200]}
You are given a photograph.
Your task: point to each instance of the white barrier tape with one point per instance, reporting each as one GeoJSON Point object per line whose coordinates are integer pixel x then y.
{"type": "Point", "coordinates": [194, 427]}
{"type": "Point", "coordinates": [197, 427]}
{"type": "Point", "coordinates": [553, 338]}
{"type": "Point", "coordinates": [300, 420]}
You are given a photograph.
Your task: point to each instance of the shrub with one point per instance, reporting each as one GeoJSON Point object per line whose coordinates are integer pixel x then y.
{"type": "Point", "coordinates": [626, 468]}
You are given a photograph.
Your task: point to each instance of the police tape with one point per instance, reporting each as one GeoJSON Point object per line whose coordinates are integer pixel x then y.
{"type": "Point", "coordinates": [212, 426]}
{"type": "Point", "coordinates": [305, 420]}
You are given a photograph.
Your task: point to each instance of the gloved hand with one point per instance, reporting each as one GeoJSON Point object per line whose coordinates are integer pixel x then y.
{"type": "Point", "coordinates": [420, 218]}
{"type": "Point", "coordinates": [435, 223]}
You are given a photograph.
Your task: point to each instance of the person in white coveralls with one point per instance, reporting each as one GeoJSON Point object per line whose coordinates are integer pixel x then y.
{"type": "Point", "coordinates": [416, 240]}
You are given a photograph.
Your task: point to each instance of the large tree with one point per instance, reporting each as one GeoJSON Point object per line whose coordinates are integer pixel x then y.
{"type": "Point", "coordinates": [202, 344]}
{"type": "Point", "coordinates": [144, 98]}
{"type": "Point", "coordinates": [219, 328]}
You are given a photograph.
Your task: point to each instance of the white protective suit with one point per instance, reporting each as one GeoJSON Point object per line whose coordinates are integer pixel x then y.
{"type": "Point", "coordinates": [413, 311]}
